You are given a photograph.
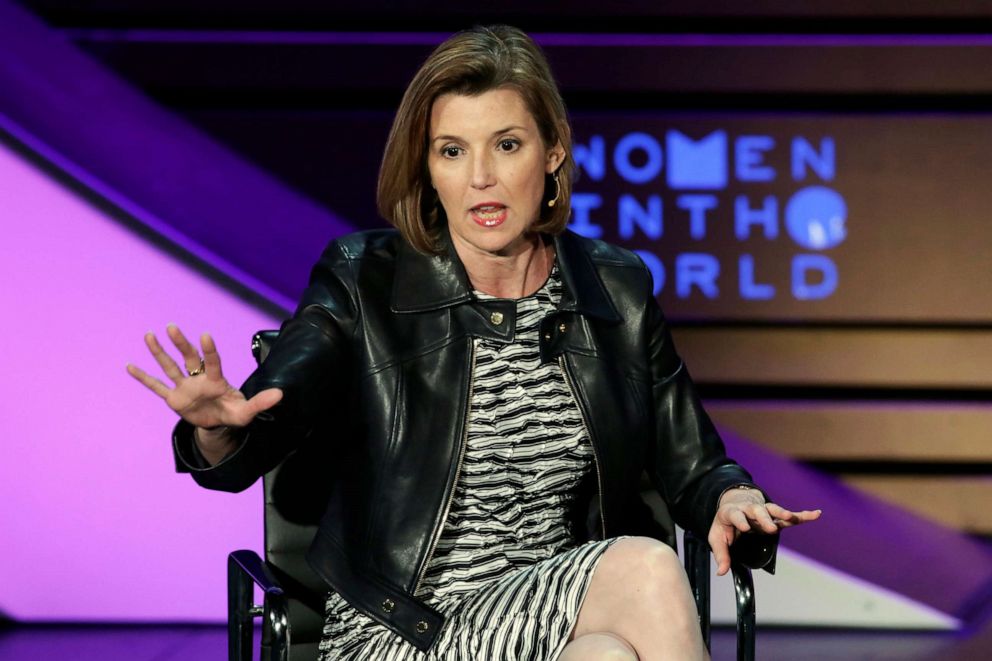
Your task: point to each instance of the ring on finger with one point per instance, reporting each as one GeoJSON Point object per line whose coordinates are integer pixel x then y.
{"type": "Point", "coordinates": [198, 370]}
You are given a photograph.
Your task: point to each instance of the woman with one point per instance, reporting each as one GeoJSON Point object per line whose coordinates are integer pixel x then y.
{"type": "Point", "coordinates": [493, 384]}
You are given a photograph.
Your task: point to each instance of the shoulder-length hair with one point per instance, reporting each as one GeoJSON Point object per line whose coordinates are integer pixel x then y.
{"type": "Point", "coordinates": [470, 62]}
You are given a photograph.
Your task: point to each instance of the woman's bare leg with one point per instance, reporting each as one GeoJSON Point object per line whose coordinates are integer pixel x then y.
{"type": "Point", "coordinates": [598, 646]}
{"type": "Point", "coordinates": [639, 593]}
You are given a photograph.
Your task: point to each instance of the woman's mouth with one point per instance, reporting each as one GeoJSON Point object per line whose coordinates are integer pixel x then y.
{"type": "Point", "coordinates": [489, 215]}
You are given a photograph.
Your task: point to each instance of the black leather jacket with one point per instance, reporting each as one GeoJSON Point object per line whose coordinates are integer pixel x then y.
{"type": "Point", "coordinates": [382, 348]}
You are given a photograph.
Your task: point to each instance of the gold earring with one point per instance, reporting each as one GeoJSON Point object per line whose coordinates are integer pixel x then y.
{"type": "Point", "coordinates": [552, 201]}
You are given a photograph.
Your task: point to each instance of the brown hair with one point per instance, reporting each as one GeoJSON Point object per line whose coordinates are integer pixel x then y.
{"type": "Point", "coordinates": [470, 62]}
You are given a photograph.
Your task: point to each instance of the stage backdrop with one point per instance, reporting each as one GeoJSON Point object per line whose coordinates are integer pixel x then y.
{"type": "Point", "coordinates": [828, 256]}
{"type": "Point", "coordinates": [862, 218]}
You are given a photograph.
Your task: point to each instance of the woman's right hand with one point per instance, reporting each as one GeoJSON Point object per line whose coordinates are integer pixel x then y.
{"type": "Point", "coordinates": [205, 398]}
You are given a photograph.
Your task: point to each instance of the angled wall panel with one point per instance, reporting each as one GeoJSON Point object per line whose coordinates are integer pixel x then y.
{"type": "Point", "coordinates": [97, 525]}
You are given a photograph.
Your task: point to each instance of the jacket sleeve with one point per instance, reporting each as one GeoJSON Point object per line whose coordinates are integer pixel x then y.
{"type": "Point", "coordinates": [688, 463]}
{"type": "Point", "coordinates": [308, 361]}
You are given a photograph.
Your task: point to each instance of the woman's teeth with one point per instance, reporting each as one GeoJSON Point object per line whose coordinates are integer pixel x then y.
{"type": "Point", "coordinates": [489, 215]}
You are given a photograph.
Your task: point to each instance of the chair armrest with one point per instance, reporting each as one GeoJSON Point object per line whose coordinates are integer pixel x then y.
{"type": "Point", "coordinates": [756, 550]}
{"type": "Point", "coordinates": [245, 570]}
{"type": "Point", "coordinates": [255, 569]}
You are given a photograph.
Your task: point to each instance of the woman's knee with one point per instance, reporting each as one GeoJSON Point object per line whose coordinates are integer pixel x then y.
{"type": "Point", "coordinates": [636, 578]}
{"type": "Point", "coordinates": [648, 559]}
{"type": "Point", "coordinates": [648, 577]}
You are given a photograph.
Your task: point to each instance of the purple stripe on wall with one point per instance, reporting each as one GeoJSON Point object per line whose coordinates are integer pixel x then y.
{"type": "Point", "coordinates": [872, 540]}
{"type": "Point", "coordinates": [174, 178]}
{"type": "Point", "coordinates": [545, 39]}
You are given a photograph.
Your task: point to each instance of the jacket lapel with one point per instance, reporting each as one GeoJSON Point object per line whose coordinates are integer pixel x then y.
{"type": "Point", "coordinates": [429, 282]}
{"type": "Point", "coordinates": [425, 282]}
{"type": "Point", "coordinates": [584, 292]}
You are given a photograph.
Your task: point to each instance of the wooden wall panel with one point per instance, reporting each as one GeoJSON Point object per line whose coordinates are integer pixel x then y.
{"type": "Point", "coordinates": [957, 502]}
{"type": "Point", "coordinates": [890, 358]}
{"type": "Point", "coordinates": [863, 431]}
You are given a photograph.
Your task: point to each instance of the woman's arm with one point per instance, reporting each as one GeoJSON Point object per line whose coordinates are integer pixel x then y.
{"type": "Point", "coordinates": [707, 492]}
{"type": "Point", "coordinates": [305, 363]}
{"type": "Point", "coordinates": [215, 444]}
{"type": "Point", "coordinates": [687, 461]}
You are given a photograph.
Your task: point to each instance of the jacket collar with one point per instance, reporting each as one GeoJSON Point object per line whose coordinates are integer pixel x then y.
{"type": "Point", "coordinates": [425, 282]}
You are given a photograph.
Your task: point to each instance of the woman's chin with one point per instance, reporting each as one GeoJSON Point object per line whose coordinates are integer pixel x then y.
{"type": "Point", "coordinates": [500, 240]}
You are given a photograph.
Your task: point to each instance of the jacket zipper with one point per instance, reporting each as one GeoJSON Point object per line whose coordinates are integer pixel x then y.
{"type": "Point", "coordinates": [458, 470]}
{"type": "Point", "coordinates": [595, 452]}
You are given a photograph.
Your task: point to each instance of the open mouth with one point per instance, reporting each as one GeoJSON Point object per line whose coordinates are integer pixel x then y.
{"type": "Point", "coordinates": [489, 215]}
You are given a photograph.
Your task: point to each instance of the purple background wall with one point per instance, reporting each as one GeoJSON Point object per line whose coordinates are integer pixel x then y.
{"type": "Point", "coordinates": [96, 523]}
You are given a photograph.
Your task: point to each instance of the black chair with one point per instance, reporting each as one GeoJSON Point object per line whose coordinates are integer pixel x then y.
{"type": "Point", "coordinates": [293, 604]}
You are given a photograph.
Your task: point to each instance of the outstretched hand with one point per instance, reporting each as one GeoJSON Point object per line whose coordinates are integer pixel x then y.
{"type": "Point", "coordinates": [201, 394]}
{"type": "Point", "coordinates": [744, 510]}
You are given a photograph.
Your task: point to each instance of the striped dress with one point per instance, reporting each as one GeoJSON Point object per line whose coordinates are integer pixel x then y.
{"type": "Point", "coordinates": [507, 572]}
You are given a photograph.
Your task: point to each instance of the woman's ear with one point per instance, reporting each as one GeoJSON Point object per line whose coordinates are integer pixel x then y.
{"type": "Point", "coordinates": [556, 156]}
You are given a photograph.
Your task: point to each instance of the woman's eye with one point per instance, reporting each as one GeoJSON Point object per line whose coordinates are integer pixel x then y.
{"type": "Point", "coordinates": [507, 145]}
{"type": "Point", "coordinates": [450, 152]}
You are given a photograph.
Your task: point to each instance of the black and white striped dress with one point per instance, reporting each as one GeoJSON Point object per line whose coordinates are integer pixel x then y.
{"type": "Point", "coordinates": [507, 572]}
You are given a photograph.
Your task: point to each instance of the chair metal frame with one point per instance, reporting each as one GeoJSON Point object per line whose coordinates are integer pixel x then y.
{"type": "Point", "coordinates": [697, 566]}
{"type": "Point", "coordinates": [245, 570]}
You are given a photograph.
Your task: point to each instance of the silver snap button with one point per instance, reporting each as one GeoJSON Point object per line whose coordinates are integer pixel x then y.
{"type": "Point", "coordinates": [496, 318]}
{"type": "Point", "coordinates": [422, 627]}
{"type": "Point", "coordinates": [388, 605]}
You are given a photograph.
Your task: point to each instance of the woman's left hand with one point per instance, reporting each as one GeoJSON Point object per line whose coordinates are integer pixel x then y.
{"type": "Point", "coordinates": [744, 510]}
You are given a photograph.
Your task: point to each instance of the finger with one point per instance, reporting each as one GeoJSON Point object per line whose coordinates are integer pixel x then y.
{"type": "Point", "coordinates": [148, 380]}
{"type": "Point", "coordinates": [243, 414]}
{"type": "Point", "coordinates": [799, 517]}
{"type": "Point", "coordinates": [264, 400]}
{"type": "Point", "coordinates": [163, 359]}
{"type": "Point", "coordinates": [759, 514]}
{"type": "Point", "coordinates": [785, 518]}
{"type": "Point", "coordinates": [738, 519]}
{"type": "Point", "coordinates": [190, 355]}
{"type": "Point", "coordinates": [721, 551]}
{"type": "Point", "coordinates": [211, 359]}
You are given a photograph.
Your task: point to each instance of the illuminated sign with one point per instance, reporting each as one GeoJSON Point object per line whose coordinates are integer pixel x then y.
{"type": "Point", "coordinates": [719, 190]}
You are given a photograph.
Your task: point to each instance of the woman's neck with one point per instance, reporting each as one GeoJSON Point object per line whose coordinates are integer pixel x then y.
{"type": "Point", "coordinates": [514, 275]}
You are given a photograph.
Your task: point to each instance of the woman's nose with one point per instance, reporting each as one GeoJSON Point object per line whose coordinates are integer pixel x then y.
{"type": "Point", "coordinates": [483, 172]}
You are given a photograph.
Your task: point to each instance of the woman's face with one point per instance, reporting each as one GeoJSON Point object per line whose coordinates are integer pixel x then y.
{"type": "Point", "coordinates": [488, 162]}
